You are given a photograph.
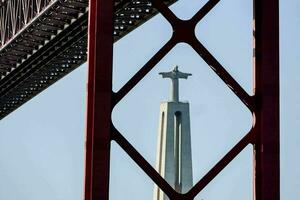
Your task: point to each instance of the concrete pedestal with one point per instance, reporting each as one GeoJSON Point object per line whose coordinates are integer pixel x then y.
{"type": "Point", "coordinates": [174, 156]}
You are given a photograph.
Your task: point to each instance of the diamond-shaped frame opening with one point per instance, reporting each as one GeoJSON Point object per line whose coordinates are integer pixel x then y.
{"type": "Point", "coordinates": [211, 103]}
{"type": "Point", "coordinates": [240, 90]}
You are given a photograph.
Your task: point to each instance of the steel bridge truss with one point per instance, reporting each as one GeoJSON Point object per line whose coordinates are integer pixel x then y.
{"type": "Point", "coordinates": [43, 40]}
{"type": "Point", "coordinates": [264, 104]}
{"type": "Point", "coordinates": [16, 14]}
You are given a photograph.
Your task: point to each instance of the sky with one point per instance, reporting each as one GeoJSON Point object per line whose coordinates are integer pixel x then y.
{"type": "Point", "coordinates": [42, 142]}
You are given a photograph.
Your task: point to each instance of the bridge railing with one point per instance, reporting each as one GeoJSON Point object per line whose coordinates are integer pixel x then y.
{"type": "Point", "coordinates": [15, 15]}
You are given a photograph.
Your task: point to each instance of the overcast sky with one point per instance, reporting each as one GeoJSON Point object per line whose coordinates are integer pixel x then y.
{"type": "Point", "coordinates": [42, 143]}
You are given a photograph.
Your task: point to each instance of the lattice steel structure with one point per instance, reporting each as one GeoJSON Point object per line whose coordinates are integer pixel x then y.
{"type": "Point", "coordinates": [264, 104]}
{"type": "Point", "coordinates": [43, 40]}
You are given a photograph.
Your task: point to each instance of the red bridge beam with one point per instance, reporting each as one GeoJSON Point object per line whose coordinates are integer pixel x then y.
{"type": "Point", "coordinates": [266, 88]}
{"type": "Point", "coordinates": [100, 51]}
{"type": "Point", "coordinates": [266, 96]}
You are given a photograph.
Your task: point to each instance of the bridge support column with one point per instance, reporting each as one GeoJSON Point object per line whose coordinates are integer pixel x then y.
{"type": "Point", "coordinates": [266, 64]}
{"type": "Point", "coordinates": [100, 51]}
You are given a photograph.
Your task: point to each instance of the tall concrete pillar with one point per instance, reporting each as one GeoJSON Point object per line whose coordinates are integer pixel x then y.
{"type": "Point", "coordinates": [174, 156]}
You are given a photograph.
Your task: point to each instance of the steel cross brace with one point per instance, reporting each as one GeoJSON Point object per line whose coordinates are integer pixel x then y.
{"type": "Point", "coordinates": [264, 104]}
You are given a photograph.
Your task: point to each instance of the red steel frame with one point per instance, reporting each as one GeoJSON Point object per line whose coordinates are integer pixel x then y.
{"type": "Point", "coordinates": [264, 104]}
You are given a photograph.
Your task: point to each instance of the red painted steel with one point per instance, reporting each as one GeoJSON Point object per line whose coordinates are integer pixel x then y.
{"type": "Point", "coordinates": [264, 104]}
{"type": "Point", "coordinates": [90, 103]}
{"type": "Point", "coordinates": [100, 50]}
{"type": "Point", "coordinates": [266, 58]}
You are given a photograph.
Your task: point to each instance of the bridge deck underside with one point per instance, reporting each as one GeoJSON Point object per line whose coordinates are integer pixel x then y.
{"type": "Point", "coordinates": [53, 44]}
